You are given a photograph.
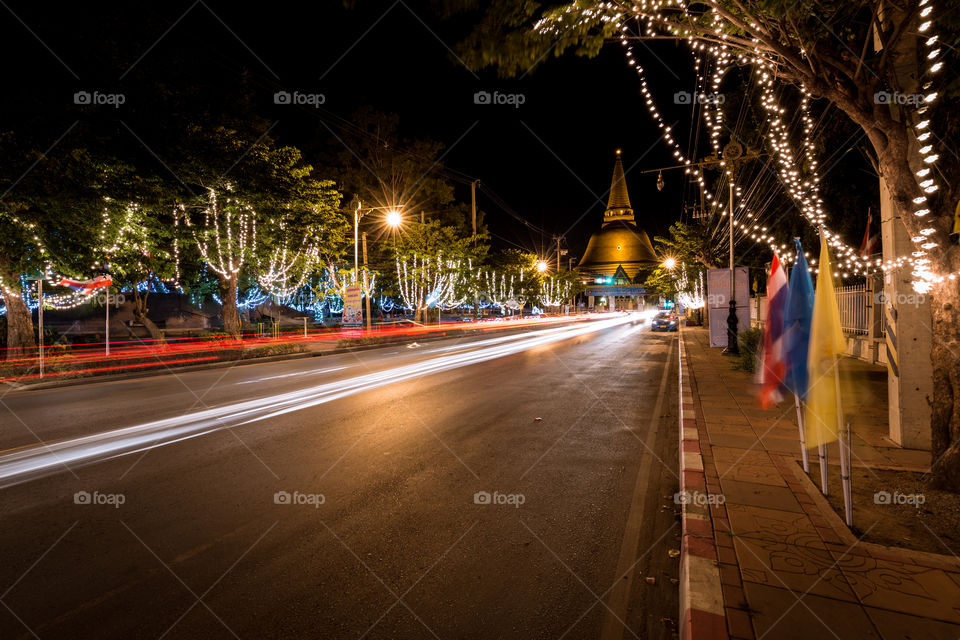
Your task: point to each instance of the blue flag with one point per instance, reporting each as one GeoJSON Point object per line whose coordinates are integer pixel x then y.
{"type": "Point", "coordinates": [796, 325]}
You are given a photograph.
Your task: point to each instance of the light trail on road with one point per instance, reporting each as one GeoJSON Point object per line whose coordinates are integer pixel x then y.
{"type": "Point", "coordinates": [41, 460]}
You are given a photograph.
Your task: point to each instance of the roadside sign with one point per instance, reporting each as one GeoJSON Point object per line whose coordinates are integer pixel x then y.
{"type": "Point", "coordinates": [352, 307]}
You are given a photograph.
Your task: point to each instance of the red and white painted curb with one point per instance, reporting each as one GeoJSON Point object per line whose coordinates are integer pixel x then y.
{"type": "Point", "coordinates": [701, 597]}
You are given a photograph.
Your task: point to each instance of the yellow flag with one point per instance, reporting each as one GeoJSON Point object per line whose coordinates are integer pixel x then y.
{"type": "Point", "coordinates": [826, 342]}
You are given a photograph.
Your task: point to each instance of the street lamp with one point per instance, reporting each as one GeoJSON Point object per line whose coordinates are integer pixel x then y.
{"type": "Point", "coordinates": [541, 266]}
{"type": "Point", "coordinates": [731, 153]}
{"type": "Point", "coordinates": [393, 219]}
{"type": "Point", "coordinates": [670, 263]}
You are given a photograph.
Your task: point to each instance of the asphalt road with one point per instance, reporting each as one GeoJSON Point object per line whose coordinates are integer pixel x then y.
{"type": "Point", "coordinates": [496, 487]}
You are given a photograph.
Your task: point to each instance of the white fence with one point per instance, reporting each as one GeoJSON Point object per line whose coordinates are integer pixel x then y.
{"type": "Point", "coordinates": [854, 303]}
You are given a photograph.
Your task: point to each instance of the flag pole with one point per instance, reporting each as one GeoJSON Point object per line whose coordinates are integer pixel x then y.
{"type": "Point", "coordinates": [40, 320]}
{"type": "Point", "coordinates": [822, 448]}
{"type": "Point", "coordinates": [107, 324]}
{"type": "Point", "coordinates": [844, 447]}
{"type": "Point", "coordinates": [845, 476]}
{"type": "Point", "coordinates": [803, 438]}
{"type": "Point", "coordinates": [822, 457]}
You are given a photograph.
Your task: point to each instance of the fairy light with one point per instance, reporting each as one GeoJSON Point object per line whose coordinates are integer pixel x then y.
{"type": "Point", "coordinates": [554, 291]}
{"type": "Point", "coordinates": [648, 14]}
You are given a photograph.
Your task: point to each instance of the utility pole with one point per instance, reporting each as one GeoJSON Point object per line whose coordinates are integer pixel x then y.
{"type": "Point", "coordinates": [473, 204]}
{"type": "Point", "coordinates": [473, 218]}
{"type": "Point", "coordinates": [356, 227]}
{"type": "Point", "coordinates": [366, 283]}
{"type": "Point", "coordinates": [558, 255]}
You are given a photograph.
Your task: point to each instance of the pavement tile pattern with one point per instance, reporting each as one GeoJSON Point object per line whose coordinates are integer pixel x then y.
{"type": "Point", "coordinates": [787, 566]}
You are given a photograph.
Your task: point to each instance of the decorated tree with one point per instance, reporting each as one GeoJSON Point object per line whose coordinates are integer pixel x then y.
{"type": "Point", "coordinates": [264, 216]}
{"type": "Point", "coordinates": [433, 266]}
{"type": "Point", "coordinates": [137, 251]}
{"type": "Point", "coordinates": [49, 219]}
{"type": "Point", "coordinates": [20, 253]}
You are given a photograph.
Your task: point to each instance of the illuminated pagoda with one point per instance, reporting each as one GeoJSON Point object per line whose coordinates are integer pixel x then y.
{"type": "Point", "coordinates": [619, 254]}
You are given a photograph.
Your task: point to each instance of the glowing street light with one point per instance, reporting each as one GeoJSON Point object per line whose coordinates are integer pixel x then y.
{"type": "Point", "coordinates": [394, 219]}
{"type": "Point", "coordinates": [670, 263]}
{"type": "Point", "coordinates": [541, 266]}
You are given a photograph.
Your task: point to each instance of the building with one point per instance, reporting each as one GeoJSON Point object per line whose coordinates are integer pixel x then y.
{"type": "Point", "coordinates": [619, 255]}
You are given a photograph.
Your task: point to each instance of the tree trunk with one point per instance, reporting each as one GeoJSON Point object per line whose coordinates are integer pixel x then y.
{"type": "Point", "coordinates": [140, 314]}
{"type": "Point", "coordinates": [945, 404]}
{"type": "Point", "coordinates": [228, 307]}
{"type": "Point", "coordinates": [20, 340]}
{"type": "Point", "coordinates": [945, 298]}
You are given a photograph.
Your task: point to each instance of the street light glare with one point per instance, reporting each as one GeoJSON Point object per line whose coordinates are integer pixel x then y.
{"type": "Point", "coordinates": [394, 219]}
{"type": "Point", "coordinates": [670, 263]}
{"type": "Point", "coordinates": [541, 266]}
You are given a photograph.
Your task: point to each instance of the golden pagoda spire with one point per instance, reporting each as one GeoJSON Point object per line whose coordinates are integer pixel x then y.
{"type": "Point", "coordinates": [618, 205]}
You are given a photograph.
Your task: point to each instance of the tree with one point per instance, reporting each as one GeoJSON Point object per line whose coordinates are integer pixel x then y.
{"type": "Point", "coordinates": [19, 253]}
{"type": "Point", "coordinates": [49, 219]}
{"type": "Point", "coordinates": [432, 263]}
{"type": "Point", "coordinates": [857, 55]}
{"type": "Point", "coordinates": [137, 248]}
{"type": "Point", "coordinates": [266, 209]}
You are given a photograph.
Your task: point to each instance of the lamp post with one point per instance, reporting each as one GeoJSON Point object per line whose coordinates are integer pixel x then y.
{"type": "Point", "coordinates": [393, 219]}
{"type": "Point", "coordinates": [731, 153]}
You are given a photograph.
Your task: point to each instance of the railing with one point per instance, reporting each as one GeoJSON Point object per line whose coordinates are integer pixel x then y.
{"type": "Point", "coordinates": [854, 303]}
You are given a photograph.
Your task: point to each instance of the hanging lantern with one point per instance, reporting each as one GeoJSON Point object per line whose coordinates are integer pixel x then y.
{"type": "Point", "coordinates": [660, 181]}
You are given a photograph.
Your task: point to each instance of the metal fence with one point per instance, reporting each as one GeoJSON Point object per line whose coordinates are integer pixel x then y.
{"type": "Point", "coordinates": [854, 303]}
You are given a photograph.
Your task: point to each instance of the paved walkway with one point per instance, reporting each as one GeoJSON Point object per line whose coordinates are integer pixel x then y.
{"type": "Point", "coordinates": [788, 566]}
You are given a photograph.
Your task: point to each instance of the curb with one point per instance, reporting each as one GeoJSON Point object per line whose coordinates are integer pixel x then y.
{"type": "Point", "coordinates": [701, 597]}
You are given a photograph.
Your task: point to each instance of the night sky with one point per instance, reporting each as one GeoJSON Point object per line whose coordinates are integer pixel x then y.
{"type": "Point", "coordinates": [549, 159]}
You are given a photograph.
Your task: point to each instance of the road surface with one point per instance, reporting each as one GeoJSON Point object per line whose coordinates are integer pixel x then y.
{"type": "Point", "coordinates": [513, 486]}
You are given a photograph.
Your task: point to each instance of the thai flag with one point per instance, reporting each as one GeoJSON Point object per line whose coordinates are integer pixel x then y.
{"type": "Point", "coordinates": [774, 363]}
{"type": "Point", "coordinates": [871, 242]}
{"type": "Point", "coordinates": [86, 287]}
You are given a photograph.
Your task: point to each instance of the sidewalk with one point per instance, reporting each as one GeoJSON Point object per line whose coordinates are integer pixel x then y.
{"type": "Point", "coordinates": [788, 567]}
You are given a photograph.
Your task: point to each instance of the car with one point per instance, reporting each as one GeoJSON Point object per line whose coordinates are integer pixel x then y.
{"type": "Point", "coordinates": [665, 321]}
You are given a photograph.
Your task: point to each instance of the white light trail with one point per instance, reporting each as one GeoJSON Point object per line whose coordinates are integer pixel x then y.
{"type": "Point", "coordinates": [41, 460]}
